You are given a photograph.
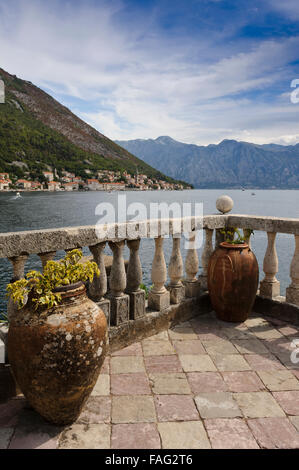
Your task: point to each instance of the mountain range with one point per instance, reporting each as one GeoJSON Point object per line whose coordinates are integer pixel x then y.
{"type": "Point", "coordinates": [38, 133]}
{"type": "Point", "coordinates": [229, 164]}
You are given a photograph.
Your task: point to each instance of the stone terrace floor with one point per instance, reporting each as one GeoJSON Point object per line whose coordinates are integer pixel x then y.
{"type": "Point", "coordinates": [204, 384]}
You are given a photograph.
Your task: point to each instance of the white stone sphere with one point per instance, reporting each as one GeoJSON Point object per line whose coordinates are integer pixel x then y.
{"type": "Point", "coordinates": [224, 204]}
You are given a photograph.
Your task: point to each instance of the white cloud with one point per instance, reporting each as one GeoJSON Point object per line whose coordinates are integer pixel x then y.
{"type": "Point", "coordinates": [142, 83]}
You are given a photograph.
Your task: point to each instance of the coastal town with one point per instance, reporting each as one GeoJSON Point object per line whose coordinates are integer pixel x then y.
{"type": "Point", "coordinates": [106, 180]}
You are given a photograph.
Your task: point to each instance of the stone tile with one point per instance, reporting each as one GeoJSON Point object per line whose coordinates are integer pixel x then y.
{"type": "Point", "coordinates": [231, 362]}
{"type": "Point", "coordinates": [10, 411]}
{"type": "Point", "coordinates": [295, 421]}
{"type": "Point", "coordinates": [84, 436]}
{"type": "Point", "coordinates": [230, 434]}
{"type": "Point", "coordinates": [5, 436]}
{"type": "Point", "coordinates": [206, 382]}
{"type": "Point", "coordinates": [133, 409]}
{"type": "Point", "coordinates": [127, 365]}
{"type": "Point", "coordinates": [256, 321]}
{"type": "Point", "coordinates": [278, 380]}
{"type": "Point", "coordinates": [102, 386]}
{"type": "Point", "coordinates": [134, 349]}
{"type": "Point", "coordinates": [296, 373]}
{"type": "Point", "coordinates": [160, 364]}
{"type": "Point", "coordinates": [106, 366]}
{"type": "Point", "coordinates": [175, 408]}
{"type": "Point", "coordinates": [169, 384]}
{"type": "Point", "coordinates": [219, 347]}
{"type": "Point", "coordinates": [217, 405]}
{"type": "Point", "coordinates": [289, 331]}
{"type": "Point", "coordinates": [33, 432]}
{"type": "Point", "coordinates": [157, 348]}
{"type": "Point", "coordinates": [250, 346]}
{"type": "Point", "coordinates": [189, 347]}
{"type": "Point", "coordinates": [266, 332]}
{"type": "Point", "coordinates": [135, 436]}
{"type": "Point", "coordinates": [289, 401]}
{"type": "Point", "coordinates": [258, 405]}
{"type": "Point", "coordinates": [274, 433]}
{"type": "Point", "coordinates": [163, 335]}
{"type": "Point", "coordinates": [246, 381]}
{"type": "Point", "coordinates": [279, 346]}
{"type": "Point", "coordinates": [188, 435]}
{"type": "Point", "coordinates": [197, 363]}
{"type": "Point", "coordinates": [130, 384]}
{"type": "Point", "coordinates": [96, 410]}
{"type": "Point", "coordinates": [236, 333]}
{"type": "Point", "coordinates": [263, 362]}
{"type": "Point", "coordinates": [182, 333]}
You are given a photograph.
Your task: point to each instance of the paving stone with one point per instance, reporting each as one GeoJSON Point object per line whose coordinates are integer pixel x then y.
{"type": "Point", "coordinates": [258, 405]}
{"type": "Point", "coordinates": [160, 364]}
{"type": "Point", "coordinates": [188, 435]}
{"type": "Point", "coordinates": [263, 362]}
{"type": "Point", "coordinates": [133, 409]}
{"type": "Point", "coordinates": [295, 421]}
{"type": "Point", "coordinates": [5, 436]}
{"type": "Point", "coordinates": [130, 384]}
{"type": "Point", "coordinates": [206, 382]}
{"type": "Point", "coordinates": [102, 386]}
{"type": "Point", "coordinates": [278, 346]}
{"type": "Point", "coordinates": [237, 333]}
{"type": "Point", "coordinates": [289, 401]}
{"type": "Point", "coordinates": [256, 321]}
{"type": "Point", "coordinates": [127, 364]}
{"type": "Point", "coordinates": [267, 332]}
{"type": "Point", "coordinates": [217, 405]}
{"type": "Point", "coordinates": [230, 434]}
{"type": "Point", "coordinates": [9, 412]}
{"type": "Point", "coordinates": [231, 362]}
{"type": "Point", "coordinates": [157, 348]}
{"type": "Point", "coordinates": [135, 436]}
{"type": "Point", "coordinates": [289, 331]}
{"type": "Point", "coordinates": [86, 436]}
{"type": "Point", "coordinates": [175, 408]}
{"type": "Point", "coordinates": [134, 349]}
{"type": "Point", "coordinates": [277, 380]}
{"type": "Point", "coordinates": [163, 335]}
{"type": "Point", "coordinates": [169, 384]}
{"type": "Point", "coordinates": [250, 346]}
{"type": "Point", "coordinates": [274, 433]}
{"type": "Point", "coordinates": [189, 347]}
{"type": "Point", "coordinates": [197, 363]}
{"type": "Point", "coordinates": [296, 373]}
{"type": "Point", "coordinates": [219, 347]}
{"type": "Point", "coordinates": [246, 381]}
{"type": "Point", "coordinates": [186, 333]}
{"type": "Point", "coordinates": [33, 432]}
{"type": "Point", "coordinates": [96, 410]}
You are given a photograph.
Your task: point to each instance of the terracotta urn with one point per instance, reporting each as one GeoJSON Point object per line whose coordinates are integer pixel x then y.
{"type": "Point", "coordinates": [233, 276]}
{"type": "Point", "coordinates": [56, 355]}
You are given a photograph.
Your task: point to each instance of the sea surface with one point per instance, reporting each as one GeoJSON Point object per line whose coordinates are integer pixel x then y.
{"type": "Point", "coordinates": [53, 210]}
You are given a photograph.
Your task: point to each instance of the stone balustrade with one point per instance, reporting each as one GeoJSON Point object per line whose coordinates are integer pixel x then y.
{"type": "Point", "coordinates": [122, 299]}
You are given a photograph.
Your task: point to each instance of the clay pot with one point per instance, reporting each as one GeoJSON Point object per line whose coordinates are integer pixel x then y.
{"type": "Point", "coordinates": [233, 276]}
{"type": "Point", "coordinates": [56, 355]}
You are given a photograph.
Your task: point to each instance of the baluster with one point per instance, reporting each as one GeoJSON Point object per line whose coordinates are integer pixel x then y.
{"type": "Point", "coordinates": [191, 267]}
{"type": "Point", "coordinates": [98, 288]}
{"type": "Point", "coordinates": [134, 279]}
{"type": "Point", "coordinates": [207, 251]}
{"type": "Point", "coordinates": [247, 234]}
{"type": "Point", "coordinates": [119, 301]}
{"type": "Point", "coordinates": [175, 272]}
{"type": "Point", "coordinates": [159, 297]}
{"type": "Point", "coordinates": [270, 286]}
{"type": "Point", "coordinates": [45, 257]}
{"type": "Point", "coordinates": [292, 292]}
{"type": "Point", "coordinates": [18, 266]}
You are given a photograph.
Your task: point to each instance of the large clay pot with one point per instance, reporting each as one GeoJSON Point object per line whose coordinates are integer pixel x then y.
{"type": "Point", "coordinates": [56, 356]}
{"type": "Point", "coordinates": [233, 275]}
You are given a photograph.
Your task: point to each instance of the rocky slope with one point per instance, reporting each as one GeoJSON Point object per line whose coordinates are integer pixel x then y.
{"type": "Point", "coordinates": [229, 164]}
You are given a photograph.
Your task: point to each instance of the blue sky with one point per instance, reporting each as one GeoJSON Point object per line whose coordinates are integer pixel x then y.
{"type": "Point", "coordinates": [199, 71]}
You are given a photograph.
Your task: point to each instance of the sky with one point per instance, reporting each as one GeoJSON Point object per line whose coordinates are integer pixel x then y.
{"type": "Point", "coordinates": [199, 71]}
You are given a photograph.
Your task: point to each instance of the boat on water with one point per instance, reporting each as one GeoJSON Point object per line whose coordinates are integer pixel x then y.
{"type": "Point", "coordinates": [252, 194]}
